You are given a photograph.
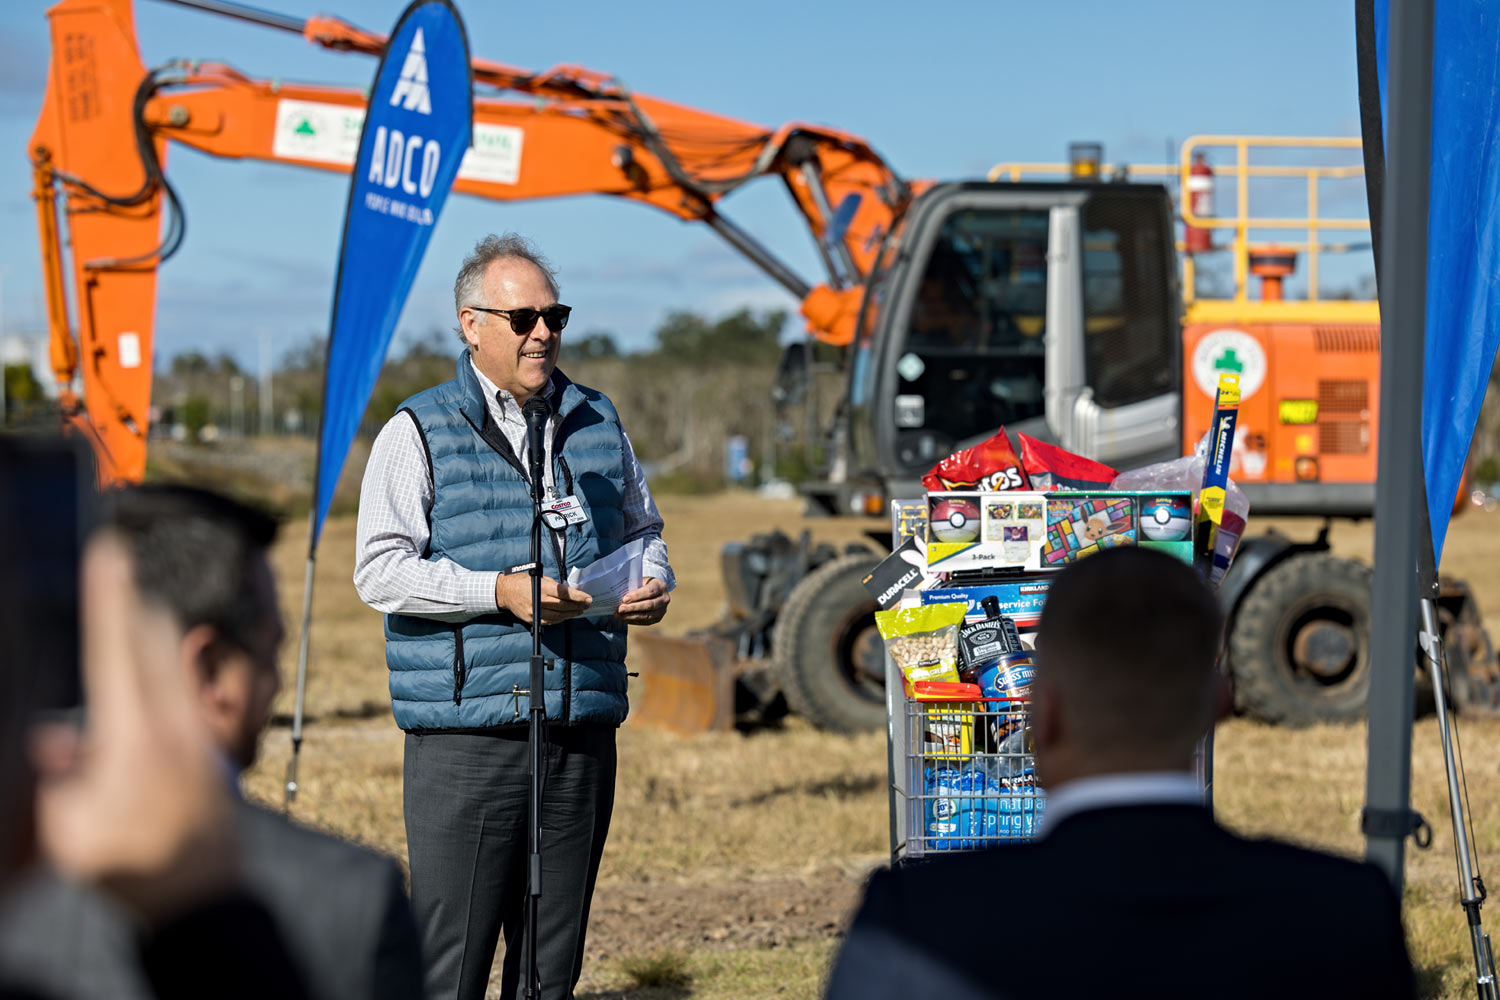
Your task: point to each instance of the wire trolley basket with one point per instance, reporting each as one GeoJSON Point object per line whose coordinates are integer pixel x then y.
{"type": "Point", "coordinates": [963, 775]}
{"type": "Point", "coordinates": [971, 780]}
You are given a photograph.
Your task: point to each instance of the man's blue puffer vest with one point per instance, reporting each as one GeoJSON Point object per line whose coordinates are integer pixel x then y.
{"type": "Point", "coordinates": [460, 675]}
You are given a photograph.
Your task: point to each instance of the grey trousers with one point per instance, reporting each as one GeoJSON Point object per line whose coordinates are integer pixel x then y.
{"type": "Point", "coordinates": [466, 800]}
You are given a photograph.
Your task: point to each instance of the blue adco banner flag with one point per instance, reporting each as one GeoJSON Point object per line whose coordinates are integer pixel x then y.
{"type": "Point", "coordinates": [1463, 238]}
{"type": "Point", "coordinates": [415, 134]}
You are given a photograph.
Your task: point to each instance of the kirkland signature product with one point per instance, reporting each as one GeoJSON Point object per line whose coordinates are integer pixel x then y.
{"type": "Point", "coordinates": [923, 641]}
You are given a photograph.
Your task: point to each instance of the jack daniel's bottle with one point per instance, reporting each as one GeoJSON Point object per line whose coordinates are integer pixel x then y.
{"type": "Point", "coordinates": [980, 642]}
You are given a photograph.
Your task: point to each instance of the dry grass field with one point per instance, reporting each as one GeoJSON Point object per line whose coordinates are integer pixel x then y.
{"type": "Point", "coordinates": [734, 860]}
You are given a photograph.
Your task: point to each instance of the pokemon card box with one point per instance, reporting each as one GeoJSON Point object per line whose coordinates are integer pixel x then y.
{"type": "Point", "coordinates": [985, 531]}
{"type": "Point", "coordinates": [1081, 524]}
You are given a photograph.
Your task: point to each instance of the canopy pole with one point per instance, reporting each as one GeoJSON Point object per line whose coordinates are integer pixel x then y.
{"type": "Point", "coordinates": [1399, 499]}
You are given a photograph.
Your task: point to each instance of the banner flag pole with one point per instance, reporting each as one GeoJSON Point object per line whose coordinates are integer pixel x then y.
{"type": "Point", "coordinates": [290, 793]}
{"type": "Point", "coordinates": [417, 129]}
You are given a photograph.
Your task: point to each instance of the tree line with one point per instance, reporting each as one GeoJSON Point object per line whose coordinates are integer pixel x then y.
{"type": "Point", "coordinates": [700, 381]}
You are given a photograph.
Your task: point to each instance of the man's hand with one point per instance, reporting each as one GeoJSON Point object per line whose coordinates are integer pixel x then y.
{"type": "Point", "coordinates": [646, 604]}
{"type": "Point", "coordinates": [138, 803]}
{"type": "Point", "coordinates": [559, 601]}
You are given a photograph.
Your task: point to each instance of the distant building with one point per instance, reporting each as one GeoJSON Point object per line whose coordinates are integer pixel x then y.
{"type": "Point", "coordinates": [30, 350]}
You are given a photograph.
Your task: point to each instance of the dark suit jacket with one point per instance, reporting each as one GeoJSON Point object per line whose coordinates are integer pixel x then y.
{"type": "Point", "coordinates": [1140, 901]}
{"type": "Point", "coordinates": [226, 946]}
{"type": "Point", "coordinates": [340, 909]}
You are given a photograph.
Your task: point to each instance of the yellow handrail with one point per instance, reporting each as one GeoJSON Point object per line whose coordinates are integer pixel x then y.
{"type": "Point", "coordinates": [1021, 171]}
{"type": "Point", "coordinates": [1241, 222]}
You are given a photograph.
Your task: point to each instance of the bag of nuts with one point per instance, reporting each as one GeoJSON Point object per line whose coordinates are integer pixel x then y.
{"type": "Point", "coordinates": [923, 641]}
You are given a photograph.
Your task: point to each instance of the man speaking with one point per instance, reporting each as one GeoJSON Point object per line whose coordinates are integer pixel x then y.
{"type": "Point", "coordinates": [445, 510]}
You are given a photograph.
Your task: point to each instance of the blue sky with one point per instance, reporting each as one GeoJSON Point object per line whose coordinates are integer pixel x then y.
{"type": "Point", "coordinates": [943, 94]}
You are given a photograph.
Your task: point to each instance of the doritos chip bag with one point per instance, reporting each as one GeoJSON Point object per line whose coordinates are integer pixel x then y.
{"type": "Point", "coordinates": [1052, 468]}
{"type": "Point", "coordinates": [988, 466]}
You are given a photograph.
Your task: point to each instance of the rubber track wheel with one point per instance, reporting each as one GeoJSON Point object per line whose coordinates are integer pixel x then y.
{"type": "Point", "coordinates": [1263, 687]}
{"type": "Point", "coordinates": [803, 646]}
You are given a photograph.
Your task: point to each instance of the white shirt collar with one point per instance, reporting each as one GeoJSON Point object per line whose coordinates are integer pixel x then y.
{"type": "Point", "coordinates": [495, 397]}
{"type": "Point", "coordinates": [1126, 789]}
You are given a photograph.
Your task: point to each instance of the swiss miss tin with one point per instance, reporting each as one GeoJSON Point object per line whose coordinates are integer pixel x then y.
{"type": "Point", "coordinates": [1008, 675]}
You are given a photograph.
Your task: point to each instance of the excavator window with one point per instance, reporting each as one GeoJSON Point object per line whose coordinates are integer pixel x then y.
{"type": "Point", "coordinates": [1130, 340]}
{"type": "Point", "coordinates": [974, 354]}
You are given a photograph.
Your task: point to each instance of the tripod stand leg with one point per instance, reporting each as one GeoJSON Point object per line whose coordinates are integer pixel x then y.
{"type": "Point", "coordinates": [534, 858]}
{"type": "Point", "coordinates": [538, 714]}
{"type": "Point", "coordinates": [1484, 964]}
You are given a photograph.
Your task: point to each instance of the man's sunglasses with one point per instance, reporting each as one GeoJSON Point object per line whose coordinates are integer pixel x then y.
{"type": "Point", "coordinates": [524, 320]}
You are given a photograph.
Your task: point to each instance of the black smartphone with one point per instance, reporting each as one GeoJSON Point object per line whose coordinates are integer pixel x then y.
{"type": "Point", "coordinates": [47, 505]}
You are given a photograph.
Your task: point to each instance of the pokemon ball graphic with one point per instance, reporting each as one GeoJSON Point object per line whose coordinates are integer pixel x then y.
{"type": "Point", "coordinates": [955, 521]}
{"type": "Point", "coordinates": [1165, 519]}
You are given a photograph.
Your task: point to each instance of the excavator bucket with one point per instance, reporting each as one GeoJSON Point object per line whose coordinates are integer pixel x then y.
{"type": "Point", "coordinates": [682, 685]}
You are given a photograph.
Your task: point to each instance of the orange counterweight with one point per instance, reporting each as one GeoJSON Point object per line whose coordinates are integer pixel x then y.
{"type": "Point", "coordinates": [1310, 403]}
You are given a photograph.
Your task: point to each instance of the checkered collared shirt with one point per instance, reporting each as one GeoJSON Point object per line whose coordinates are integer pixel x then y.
{"type": "Point", "coordinates": [395, 501]}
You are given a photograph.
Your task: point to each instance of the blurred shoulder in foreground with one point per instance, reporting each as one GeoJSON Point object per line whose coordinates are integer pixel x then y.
{"type": "Point", "coordinates": [341, 911]}
{"type": "Point", "coordinates": [199, 561]}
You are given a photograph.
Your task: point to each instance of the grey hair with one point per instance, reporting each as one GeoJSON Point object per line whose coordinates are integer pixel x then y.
{"type": "Point", "coordinates": [511, 246]}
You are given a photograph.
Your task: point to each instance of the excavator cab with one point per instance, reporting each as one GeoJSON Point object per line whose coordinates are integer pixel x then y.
{"type": "Point", "coordinates": [1047, 308]}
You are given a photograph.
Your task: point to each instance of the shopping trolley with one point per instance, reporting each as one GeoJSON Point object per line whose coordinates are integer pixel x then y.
{"type": "Point", "coordinates": [962, 773]}
{"type": "Point", "coordinates": [947, 797]}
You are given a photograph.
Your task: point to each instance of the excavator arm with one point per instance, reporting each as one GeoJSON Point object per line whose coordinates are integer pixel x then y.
{"type": "Point", "coordinates": [86, 154]}
{"type": "Point", "coordinates": [99, 148]}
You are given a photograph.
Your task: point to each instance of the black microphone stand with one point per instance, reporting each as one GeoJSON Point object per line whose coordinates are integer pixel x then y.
{"type": "Point", "coordinates": [536, 411]}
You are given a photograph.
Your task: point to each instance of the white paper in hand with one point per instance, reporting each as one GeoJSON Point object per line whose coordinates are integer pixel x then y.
{"type": "Point", "coordinates": [609, 579]}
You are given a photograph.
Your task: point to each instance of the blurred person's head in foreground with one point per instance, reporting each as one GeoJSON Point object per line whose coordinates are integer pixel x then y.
{"type": "Point", "coordinates": [204, 558]}
{"type": "Point", "coordinates": [1126, 678]}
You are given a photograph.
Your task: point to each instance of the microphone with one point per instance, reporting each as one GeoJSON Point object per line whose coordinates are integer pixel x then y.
{"type": "Point", "coordinates": [536, 411]}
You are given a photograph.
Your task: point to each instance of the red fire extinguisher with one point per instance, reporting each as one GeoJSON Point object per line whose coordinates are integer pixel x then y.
{"type": "Point", "coordinates": [1200, 199]}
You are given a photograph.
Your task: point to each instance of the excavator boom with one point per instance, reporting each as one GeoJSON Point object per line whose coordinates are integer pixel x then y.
{"type": "Point", "coordinates": [99, 151]}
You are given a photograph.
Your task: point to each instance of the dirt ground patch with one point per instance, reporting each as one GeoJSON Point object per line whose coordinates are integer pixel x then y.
{"type": "Point", "coordinates": [635, 918]}
{"type": "Point", "coordinates": [746, 854]}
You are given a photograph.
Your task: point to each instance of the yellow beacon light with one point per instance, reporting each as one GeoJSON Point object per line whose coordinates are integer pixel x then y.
{"type": "Point", "coordinates": [1085, 159]}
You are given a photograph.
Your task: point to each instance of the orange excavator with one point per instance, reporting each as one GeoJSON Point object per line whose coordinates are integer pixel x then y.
{"type": "Point", "coordinates": [1051, 306]}
{"type": "Point", "coordinates": [100, 148]}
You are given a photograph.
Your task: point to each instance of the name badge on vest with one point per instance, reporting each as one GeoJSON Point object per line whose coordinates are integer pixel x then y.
{"type": "Point", "coordinates": [562, 512]}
